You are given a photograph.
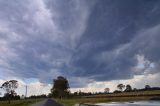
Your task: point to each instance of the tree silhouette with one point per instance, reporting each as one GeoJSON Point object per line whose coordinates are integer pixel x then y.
{"type": "Point", "coordinates": [147, 87]}
{"type": "Point", "coordinates": [120, 87]}
{"type": "Point", "coordinates": [60, 87]}
{"type": "Point", "coordinates": [106, 90]}
{"type": "Point", "coordinates": [128, 88]}
{"type": "Point", "coordinates": [9, 87]}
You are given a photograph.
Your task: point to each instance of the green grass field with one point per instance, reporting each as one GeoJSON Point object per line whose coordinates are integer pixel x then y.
{"type": "Point", "coordinates": [73, 101]}
{"type": "Point", "coordinates": [19, 102]}
{"type": "Point", "coordinates": [119, 97]}
{"type": "Point", "coordinates": [139, 93]}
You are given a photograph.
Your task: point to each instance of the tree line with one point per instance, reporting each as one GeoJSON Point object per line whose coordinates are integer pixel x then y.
{"type": "Point", "coordinates": [128, 88]}
{"type": "Point", "coordinates": [61, 89]}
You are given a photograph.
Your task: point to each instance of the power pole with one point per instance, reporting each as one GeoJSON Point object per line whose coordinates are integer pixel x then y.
{"type": "Point", "coordinates": [26, 92]}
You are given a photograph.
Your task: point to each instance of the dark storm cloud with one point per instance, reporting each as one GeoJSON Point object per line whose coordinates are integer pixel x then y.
{"type": "Point", "coordinates": [37, 40]}
{"type": "Point", "coordinates": [80, 39]}
{"type": "Point", "coordinates": [107, 50]}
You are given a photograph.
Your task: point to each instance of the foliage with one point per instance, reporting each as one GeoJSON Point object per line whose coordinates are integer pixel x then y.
{"type": "Point", "coordinates": [147, 87]}
{"type": "Point", "coordinates": [37, 96]}
{"type": "Point", "coordinates": [60, 87]}
{"type": "Point", "coordinates": [117, 91]}
{"type": "Point", "coordinates": [120, 86]}
{"type": "Point", "coordinates": [9, 87]}
{"type": "Point", "coordinates": [26, 102]}
{"type": "Point", "coordinates": [106, 90]}
{"type": "Point", "coordinates": [128, 88]}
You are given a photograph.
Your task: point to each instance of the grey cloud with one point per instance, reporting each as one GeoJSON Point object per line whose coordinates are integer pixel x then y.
{"type": "Point", "coordinates": [42, 45]}
{"type": "Point", "coordinates": [82, 40]}
{"type": "Point", "coordinates": [109, 51]}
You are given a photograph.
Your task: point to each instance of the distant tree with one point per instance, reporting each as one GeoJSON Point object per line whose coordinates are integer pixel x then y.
{"type": "Point", "coordinates": [80, 93]}
{"type": "Point", "coordinates": [9, 87]}
{"type": "Point", "coordinates": [128, 88]}
{"type": "Point", "coordinates": [60, 87]}
{"type": "Point", "coordinates": [13, 97]}
{"type": "Point", "coordinates": [106, 90]}
{"type": "Point", "coordinates": [75, 93]}
{"type": "Point", "coordinates": [117, 91]}
{"type": "Point", "coordinates": [147, 87]}
{"type": "Point", "coordinates": [120, 87]}
{"type": "Point", "coordinates": [134, 89]}
{"type": "Point", "coordinates": [89, 93]}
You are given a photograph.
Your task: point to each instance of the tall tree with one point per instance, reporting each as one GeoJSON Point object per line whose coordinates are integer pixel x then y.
{"type": "Point", "coordinates": [9, 87]}
{"type": "Point", "coordinates": [128, 88]}
{"type": "Point", "coordinates": [106, 90]}
{"type": "Point", "coordinates": [60, 87]}
{"type": "Point", "coordinates": [120, 87]}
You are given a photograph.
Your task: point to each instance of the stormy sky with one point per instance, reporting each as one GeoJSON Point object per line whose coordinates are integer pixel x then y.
{"type": "Point", "coordinates": [86, 41]}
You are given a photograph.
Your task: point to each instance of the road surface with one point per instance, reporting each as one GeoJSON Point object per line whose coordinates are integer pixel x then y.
{"type": "Point", "coordinates": [47, 102]}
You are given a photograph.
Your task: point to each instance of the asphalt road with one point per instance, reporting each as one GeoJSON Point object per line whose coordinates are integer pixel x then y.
{"type": "Point", "coordinates": [47, 102]}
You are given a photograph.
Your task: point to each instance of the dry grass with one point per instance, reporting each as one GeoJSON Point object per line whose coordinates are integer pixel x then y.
{"type": "Point", "coordinates": [73, 101]}
{"type": "Point", "coordinates": [139, 93]}
{"type": "Point", "coordinates": [119, 97]}
{"type": "Point", "coordinates": [18, 102]}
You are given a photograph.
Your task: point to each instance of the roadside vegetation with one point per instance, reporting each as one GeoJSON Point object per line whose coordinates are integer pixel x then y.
{"type": "Point", "coordinates": [73, 101]}
{"type": "Point", "coordinates": [19, 102]}
{"type": "Point", "coordinates": [111, 97]}
{"type": "Point", "coordinates": [60, 91]}
{"type": "Point", "coordinates": [123, 93]}
{"type": "Point", "coordinates": [151, 93]}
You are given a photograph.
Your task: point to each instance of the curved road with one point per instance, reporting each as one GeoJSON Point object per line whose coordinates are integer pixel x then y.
{"type": "Point", "coordinates": [47, 102]}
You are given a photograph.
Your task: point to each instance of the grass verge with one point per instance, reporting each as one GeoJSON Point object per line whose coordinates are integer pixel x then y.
{"type": "Point", "coordinates": [116, 97]}
{"type": "Point", "coordinates": [73, 101]}
{"type": "Point", "coordinates": [19, 102]}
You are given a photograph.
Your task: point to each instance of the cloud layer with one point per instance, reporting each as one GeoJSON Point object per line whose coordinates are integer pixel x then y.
{"type": "Point", "coordinates": [85, 41]}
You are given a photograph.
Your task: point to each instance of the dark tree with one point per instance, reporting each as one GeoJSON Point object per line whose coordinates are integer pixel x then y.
{"type": "Point", "coordinates": [147, 87]}
{"type": "Point", "coordinates": [134, 89]}
{"type": "Point", "coordinates": [60, 87]}
{"type": "Point", "coordinates": [128, 88]}
{"type": "Point", "coordinates": [75, 93]}
{"type": "Point", "coordinates": [120, 87]}
{"type": "Point", "coordinates": [117, 91]}
{"type": "Point", "coordinates": [9, 87]}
